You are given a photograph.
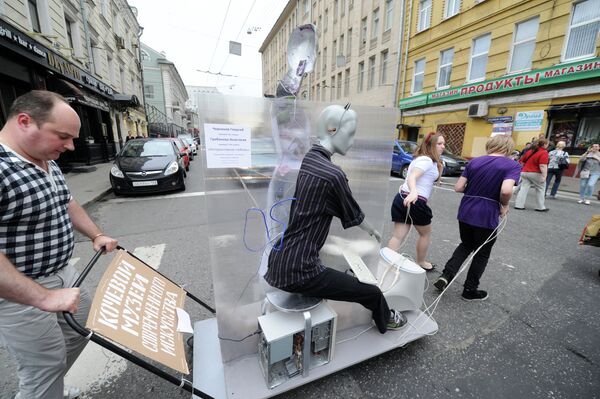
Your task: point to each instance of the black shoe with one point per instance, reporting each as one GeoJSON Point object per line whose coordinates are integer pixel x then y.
{"type": "Point", "coordinates": [542, 210]}
{"type": "Point", "coordinates": [474, 295]}
{"type": "Point", "coordinates": [519, 209]}
{"type": "Point", "coordinates": [441, 283]}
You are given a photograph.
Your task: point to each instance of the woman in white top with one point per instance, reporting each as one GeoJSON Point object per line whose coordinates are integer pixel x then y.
{"type": "Point", "coordinates": [410, 204]}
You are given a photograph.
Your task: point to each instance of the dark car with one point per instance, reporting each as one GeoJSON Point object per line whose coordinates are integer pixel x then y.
{"type": "Point", "coordinates": [402, 157]}
{"type": "Point", "coordinates": [147, 166]}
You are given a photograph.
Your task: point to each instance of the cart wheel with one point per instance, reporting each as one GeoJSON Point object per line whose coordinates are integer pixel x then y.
{"type": "Point", "coordinates": [190, 341]}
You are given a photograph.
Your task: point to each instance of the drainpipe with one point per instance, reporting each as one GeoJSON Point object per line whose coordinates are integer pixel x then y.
{"type": "Point", "coordinates": [406, 50]}
{"type": "Point", "coordinates": [400, 39]}
{"type": "Point", "coordinates": [88, 41]}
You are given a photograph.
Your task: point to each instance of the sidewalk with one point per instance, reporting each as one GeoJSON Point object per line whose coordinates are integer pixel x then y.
{"type": "Point", "coordinates": [89, 183]}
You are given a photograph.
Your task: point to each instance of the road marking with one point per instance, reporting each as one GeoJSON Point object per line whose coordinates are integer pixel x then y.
{"type": "Point", "coordinates": [171, 196]}
{"type": "Point", "coordinates": [151, 255]}
{"type": "Point", "coordinates": [94, 368]}
{"type": "Point", "coordinates": [73, 261]}
{"type": "Point", "coordinates": [509, 266]}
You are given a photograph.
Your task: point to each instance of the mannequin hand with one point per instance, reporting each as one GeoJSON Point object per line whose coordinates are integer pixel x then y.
{"type": "Point", "coordinates": [503, 210]}
{"type": "Point", "coordinates": [376, 234]}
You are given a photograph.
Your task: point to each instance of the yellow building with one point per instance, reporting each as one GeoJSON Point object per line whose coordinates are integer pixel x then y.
{"type": "Point", "coordinates": [475, 67]}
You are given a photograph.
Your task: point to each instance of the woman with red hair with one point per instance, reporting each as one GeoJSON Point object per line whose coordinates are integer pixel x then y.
{"type": "Point", "coordinates": [410, 204]}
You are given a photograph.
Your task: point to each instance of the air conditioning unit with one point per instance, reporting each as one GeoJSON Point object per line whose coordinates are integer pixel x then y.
{"type": "Point", "coordinates": [478, 110]}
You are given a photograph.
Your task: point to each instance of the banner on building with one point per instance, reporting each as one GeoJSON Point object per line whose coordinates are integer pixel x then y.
{"type": "Point", "coordinates": [135, 306]}
{"type": "Point", "coordinates": [529, 121]}
{"type": "Point", "coordinates": [502, 128]}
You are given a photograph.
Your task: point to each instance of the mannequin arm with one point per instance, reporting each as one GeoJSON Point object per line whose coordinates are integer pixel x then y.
{"type": "Point", "coordinates": [366, 226]}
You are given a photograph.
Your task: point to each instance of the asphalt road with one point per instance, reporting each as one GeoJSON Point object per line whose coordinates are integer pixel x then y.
{"type": "Point", "coordinates": [537, 336]}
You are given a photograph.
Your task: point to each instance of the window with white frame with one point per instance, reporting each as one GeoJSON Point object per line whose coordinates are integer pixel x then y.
{"type": "Point", "coordinates": [363, 31]}
{"type": "Point", "coordinates": [324, 59]}
{"type": "Point", "coordinates": [452, 8]}
{"type": "Point", "coordinates": [123, 83]}
{"type": "Point", "coordinates": [149, 91]}
{"type": "Point", "coordinates": [324, 92]}
{"type": "Point", "coordinates": [342, 7]}
{"type": "Point", "coordinates": [424, 15]}
{"type": "Point", "coordinates": [582, 35]}
{"type": "Point", "coordinates": [334, 54]}
{"type": "Point", "coordinates": [523, 45]}
{"type": "Point", "coordinates": [389, 15]}
{"type": "Point", "coordinates": [375, 24]}
{"type": "Point", "coordinates": [336, 4]}
{"type": "Point", "coordinates": [105, 7]}
{"type": "Point", "coordinates": [318, 97]}
{"type": "Point", "coordinates": [347, 83]}
{"type": "Point", "coordinates": [332, 89]}
{"type": "Point", "coordinates": [111, 70]}
{"type": "Point", "coordinates": [326, 20]}
{"type": "Point", "coordinates": [69, 31]}
{"type": "Point", "coordinates": [361, 76]}
{"type": "Point", "coordinates": [339, 86]}
{"type": "Point", "coordinates": [371, 81]}
{"type": "Point", "coordinates": [445, 71]}
{"type": "Point", "coordinates": [418, 76]}
{"type": "Point", "coordinates": [384, 67]}
{"type": "Point", "coordinates": [479, 57]}
{"type": "Point", "coordinates": [306, 4]}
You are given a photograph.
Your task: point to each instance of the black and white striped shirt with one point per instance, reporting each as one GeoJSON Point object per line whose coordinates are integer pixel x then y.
{"type": "Point", "coordinates": [322, 192]}
{"type": "Point", "coordinates": [36, 233]}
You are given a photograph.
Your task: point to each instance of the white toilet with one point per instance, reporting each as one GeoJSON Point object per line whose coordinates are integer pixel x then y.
{"type": "Point", "coordinates": [401, 280]}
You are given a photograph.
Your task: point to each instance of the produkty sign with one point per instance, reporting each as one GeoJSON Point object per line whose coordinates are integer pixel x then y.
{"type": "Point", "coordinates": [136, 307]}
{"type": "Point", "coordinates": [557, 74]}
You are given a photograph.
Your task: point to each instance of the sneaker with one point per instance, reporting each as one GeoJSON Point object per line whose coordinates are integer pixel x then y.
{"type": "Point", "coordinates": [397, 320]}
{"type": "Point", "coordinates": [587, 202]}
{"type": "Point", "coordinates": [441, 283]}
{"type": "Point", "coordinates": [542, 210]}
{"type": "Point", "coordinates": [580, 201]}
{"type": "Point", "coordinates": [474, 295]}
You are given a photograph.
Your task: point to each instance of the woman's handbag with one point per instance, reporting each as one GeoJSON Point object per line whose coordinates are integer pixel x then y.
{"type": "Point", "coordinates": [584, 174]}
{"type": "Point", "coordinates": [563, 163]}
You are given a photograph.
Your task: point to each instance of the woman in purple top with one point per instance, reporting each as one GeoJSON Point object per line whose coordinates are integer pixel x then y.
{"type": "Point", "coordinates": [487, 184]}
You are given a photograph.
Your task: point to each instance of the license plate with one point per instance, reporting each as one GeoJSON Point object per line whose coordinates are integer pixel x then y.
{"type": "Point", "coordinates": [145, 183]}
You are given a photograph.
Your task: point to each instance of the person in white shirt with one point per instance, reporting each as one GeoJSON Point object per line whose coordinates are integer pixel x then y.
{"type": "Point", "coordinates": [410, 204]}
{"type": "Point", "coordinates": [557, 163]}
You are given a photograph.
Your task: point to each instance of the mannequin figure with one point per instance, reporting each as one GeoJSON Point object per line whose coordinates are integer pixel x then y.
{"type": "Point", "coordinates": [322, 192]}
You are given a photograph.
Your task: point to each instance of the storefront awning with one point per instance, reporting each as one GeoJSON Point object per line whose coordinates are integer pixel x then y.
{"type": "Point", "coordinates": [126, 100]}
{"type": "Point", "coordinates": [592, 104]}
{"type": "Point", "coordinates": [64, 88]}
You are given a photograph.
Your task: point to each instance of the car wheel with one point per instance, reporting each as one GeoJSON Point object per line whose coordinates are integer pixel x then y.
{"type": "Point", "coordinates": [404, 171]}
{"type": "Point", "coordinates": [182, 187]}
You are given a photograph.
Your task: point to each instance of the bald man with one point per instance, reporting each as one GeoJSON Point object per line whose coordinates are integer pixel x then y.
{"type": "Point", "coordinates": [37, 217]}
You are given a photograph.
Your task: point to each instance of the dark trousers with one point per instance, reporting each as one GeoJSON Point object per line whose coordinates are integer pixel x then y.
{"type": "Point", "coordinates": [557, 173]}
{"type": "Point", "coordinates": [338, 286]}
{"type": "Point", "coordinates": [471, 238]}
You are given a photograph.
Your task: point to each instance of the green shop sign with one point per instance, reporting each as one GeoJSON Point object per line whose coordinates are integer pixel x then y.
{"type": "Point", "coordinates": [557, 74]}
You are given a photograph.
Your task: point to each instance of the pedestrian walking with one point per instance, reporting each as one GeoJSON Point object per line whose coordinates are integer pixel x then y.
{"type": "Point", "coordinates": [589, 172]}
{"type": "Point", "coordinates": [37, 217]}
{"type": "Point", "coordinates": [487, 184]}
{"type": "Point", "coordinates": [558, 161]}
{"type": "Point", "coordinates": [410, 204]}
{"type": "Point", "coordinates": [533, 175]}
{"type": "Point", "coordinates": [129, 136]}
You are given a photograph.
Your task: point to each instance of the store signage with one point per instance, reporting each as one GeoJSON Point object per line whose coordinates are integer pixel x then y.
{"type": "Point", "coordinates": [557, 74]}
{"type": "Point", "coordinates": [529, 121]}
{"type": "Point", "coordinates": [23, 44]}
{"type": "Point", "coordinates": [500, 119]}
{"type": "Point", "coordinates": [502, 128]}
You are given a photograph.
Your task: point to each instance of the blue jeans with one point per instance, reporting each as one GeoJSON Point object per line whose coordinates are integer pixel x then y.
{"type": "Point", "coordinates": [586, 186]}
{"type": "Point", "coordinates": [557, 173]}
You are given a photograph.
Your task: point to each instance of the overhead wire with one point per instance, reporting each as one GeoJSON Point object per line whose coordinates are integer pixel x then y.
{"type": "Point", "coordinates": [219, 37]}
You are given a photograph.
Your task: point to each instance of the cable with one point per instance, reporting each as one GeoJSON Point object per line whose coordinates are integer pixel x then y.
{"type": "Point", "coordinates": [238, 35]}
{"type": "Point", "coordinates": [219, 37]}
{"type": "Point", "coordinates": [240, 340]}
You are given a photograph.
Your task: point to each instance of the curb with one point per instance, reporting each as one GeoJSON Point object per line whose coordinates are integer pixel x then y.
{"type": "Point", "coordinates": [97, 198]}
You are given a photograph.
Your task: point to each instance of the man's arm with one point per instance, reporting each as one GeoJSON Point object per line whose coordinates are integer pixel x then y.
{"type": "Point", "coordinates": [460, 185]}
{"type": "Point", "coordinates": [366, 226]}
{"type": "Point", "coordinates": [84, 224]}
{"type": "Point", "coordinates": [16, 287]}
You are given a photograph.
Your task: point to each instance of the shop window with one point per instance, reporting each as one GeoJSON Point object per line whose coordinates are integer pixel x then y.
{"type": "Point", "coordinates": [523, 45]}
{"type": "Point", "coordinates": [583, 30]}
{"type": "Point", "coordinates": [479, 57]}
{"type": "Point", "coordinates": [589, 132]}
{"type": "Point", "coordinates": [578, 134]}
{"type": "Point", "coordinates": [563, 130]}
{"type": "Point", "coordinates": [418, 76]}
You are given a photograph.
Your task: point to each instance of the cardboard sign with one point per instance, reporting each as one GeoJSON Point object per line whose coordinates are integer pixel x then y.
{"type": "Point", "coordinates": [136, 307]}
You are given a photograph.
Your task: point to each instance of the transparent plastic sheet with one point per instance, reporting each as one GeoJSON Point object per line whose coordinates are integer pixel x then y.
{"type": "Point", "coordinates": [240, 236]}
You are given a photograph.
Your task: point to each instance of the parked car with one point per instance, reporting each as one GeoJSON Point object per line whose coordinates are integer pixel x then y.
{"type": "Point", "coordinates": [183, 151]}
{"type": "Point", "coordinates": [402, 156]}
{"type": "Point", "coordinates": [147, 166]}
{"type": "Point", "coordinates": [191, 144]}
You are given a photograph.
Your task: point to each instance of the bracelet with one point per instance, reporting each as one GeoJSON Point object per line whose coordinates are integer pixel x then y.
{"type": "Point", "coordinates": [96, 236]}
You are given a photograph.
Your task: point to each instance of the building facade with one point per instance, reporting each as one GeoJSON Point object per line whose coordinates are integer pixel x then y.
{"type": "Point", "coordinates": [88, 55]}
{"type": "Point", "coordinates": [357, 55]}
{"type": "Point", "coordinates": [165, 94]}
{"type": "Point", "coordinates": [477, 68]}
